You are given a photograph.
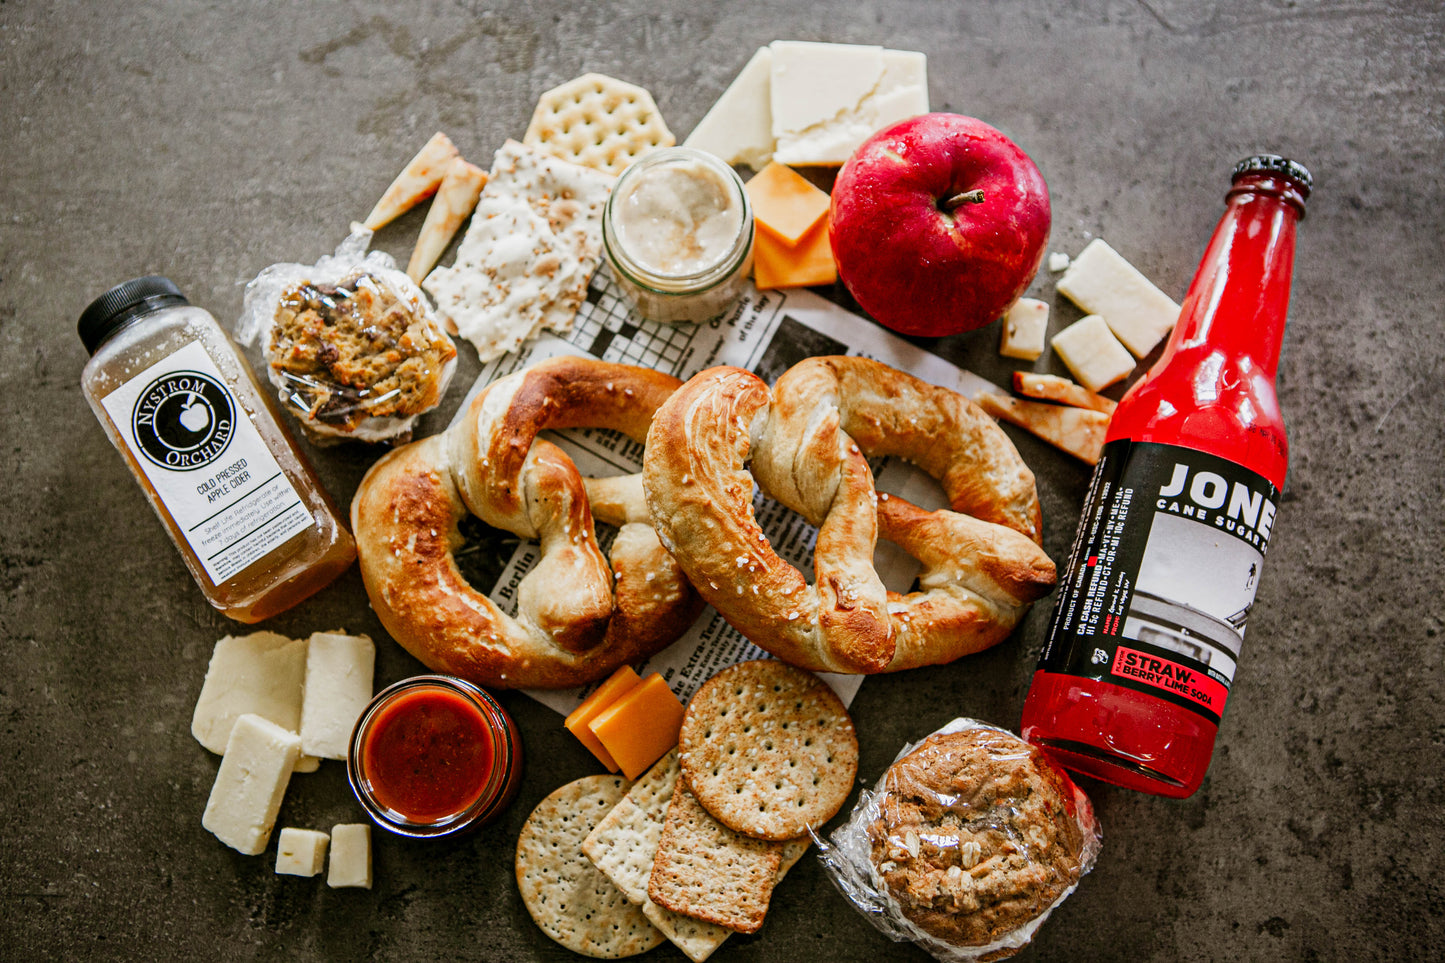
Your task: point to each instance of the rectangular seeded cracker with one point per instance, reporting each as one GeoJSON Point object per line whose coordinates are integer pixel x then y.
{"type": "Point", "coordinates": [625, 842]}
{"type": "Point", "coordinates": [705, 870]}
{"type": "Point", "coordinates": [535, 239]}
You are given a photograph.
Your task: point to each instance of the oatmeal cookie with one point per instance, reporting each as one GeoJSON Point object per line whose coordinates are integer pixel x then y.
{"type": "Point", "coordinates": [977, 833]}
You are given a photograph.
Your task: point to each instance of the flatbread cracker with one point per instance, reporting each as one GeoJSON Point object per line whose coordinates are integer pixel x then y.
{"type": "Point", "coordinates": [768, 749]}
{"type": "Point", "coordinates": [522, 268]}
{"type": "Point", "coordinates": [705, 870]}
{"type": "Point", "coordinates": [568, 898]}
{"type": "Point", "coordinates": [599, 122]}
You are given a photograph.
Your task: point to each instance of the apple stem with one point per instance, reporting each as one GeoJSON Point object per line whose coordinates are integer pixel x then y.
{"type": "Point", "coordinates": [967, 197]}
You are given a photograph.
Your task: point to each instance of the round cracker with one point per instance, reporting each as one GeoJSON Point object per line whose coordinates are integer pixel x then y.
{"type": "Point", "coordinates": [568, 897]}
{"type": "Point", "coordinates": [768, 749]}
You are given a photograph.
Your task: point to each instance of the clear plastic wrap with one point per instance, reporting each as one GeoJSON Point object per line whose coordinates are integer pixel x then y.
{"type": "Point", "coordinates": [966, 844]}
{"type": "Point", "coordinates": [350, 343]}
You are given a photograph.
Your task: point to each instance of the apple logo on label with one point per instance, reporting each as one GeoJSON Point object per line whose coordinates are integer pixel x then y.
{"type": "Point", "coordinates": [183, 420]}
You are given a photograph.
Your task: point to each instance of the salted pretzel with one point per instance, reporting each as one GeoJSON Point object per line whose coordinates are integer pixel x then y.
{"type": "Point", "coordinates": [577, 618]}
{"type": "Point", "coordinates": [806, 441]}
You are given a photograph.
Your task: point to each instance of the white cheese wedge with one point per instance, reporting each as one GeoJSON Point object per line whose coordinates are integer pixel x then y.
{"type": "Point", "coordinates": [301, 852]}
{"type": "Point", "coordinates": [338, 686]}
{"type": "Point", "coordinates": [739, 127]}
{"type": "Point", "coordinates": [350, 856]}
{"type": "Point", "coordinates": [259, 673]}
{"type": "Point", "coordinates": [828, 98]}
{"type": "Point", "coordinates": [1025, 329]}
{"type": "Point", "coordinates": [250, 783]}
{"type": "Point", "coordinates": [1101, 282]}
{"type": "Point", "coordinates": [1089, 349]}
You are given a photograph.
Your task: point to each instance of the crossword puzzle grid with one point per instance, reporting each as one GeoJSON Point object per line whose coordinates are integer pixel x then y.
{"type": "Point", "coordinates": [607, 329]}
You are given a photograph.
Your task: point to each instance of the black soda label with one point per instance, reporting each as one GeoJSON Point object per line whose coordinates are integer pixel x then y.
{"type": "Point", "coordinates": [1162, 574]}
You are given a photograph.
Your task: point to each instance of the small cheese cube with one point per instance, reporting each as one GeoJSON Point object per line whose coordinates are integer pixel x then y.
{"type": "Point", "coordinates": [621, 682]}
{"type": "Point", "coordinates": [739, 127]}
{"type": "Point", "coordinates": [809, 262]}
{"type": "Point", "coordinates": [1101, 282]}
{"type": "Point", "coordinates": [350, 856]}
{"type": "Point", "coordinates": [785, 203]}
{"type": "Point", "coordinates": [1058, 260]}
{"type": "Point", "coordinates": [307, 764]}
{"type": "Point", "coordinates": [338, 687]}
{"type": "Point", "coordinates": [827, 98]}
{"type": "Point", "coordinates": [301, 852]}
{"type": "Point", "coordinates": [259, 673]}
{"type": "Point", "coordinates": [1025, 329]}
{"type": "Point", "coordinates": [641, 727]}
{"type": "Point", "coordinates": [1092, 353]}
{"type": "Point", "coordinates": [250, 783]}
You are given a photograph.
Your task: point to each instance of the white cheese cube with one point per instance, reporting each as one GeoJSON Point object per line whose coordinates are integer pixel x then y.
{"type": "Point", "coordinates": [1025, 329]}
{"type": "Point", "coordinates": [250, 783]}
{"type": "Point", "coordinates": [301, 852]}
{"type": "Point", "coordinates": [1092, 353]}
{"type": "Point", "coordinates": [739, 127]}
{"type": "Point", "coordinates": [259, 673]}
{"type": "Point", "coordinates": [827, 98]}
{"type": "Point", "coordinates": [350, 856]}
{"type": "Point", "coordinates": [338, 687]}
{"type": "Point", "coordinates": [1058, 260]}
{"type": "Point", "coordinates": [1101, 282]}
{"type": "Point", "coordinates": [307, 764]}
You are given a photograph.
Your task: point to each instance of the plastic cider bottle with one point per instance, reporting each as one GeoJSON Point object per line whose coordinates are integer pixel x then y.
{"type": "Point", "coordinates": [1149, 620]}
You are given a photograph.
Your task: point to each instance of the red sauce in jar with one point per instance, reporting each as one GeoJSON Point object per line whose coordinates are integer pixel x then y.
{"type": "Point", "coordinates": [434, 755]}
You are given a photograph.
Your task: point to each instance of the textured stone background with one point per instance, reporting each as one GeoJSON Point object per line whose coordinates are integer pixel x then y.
{"type": "Point", "coordinates": [206, 140]}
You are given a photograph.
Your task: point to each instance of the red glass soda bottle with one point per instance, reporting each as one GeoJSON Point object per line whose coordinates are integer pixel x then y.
{"type": "Point", "coordinates": [1149, 620]}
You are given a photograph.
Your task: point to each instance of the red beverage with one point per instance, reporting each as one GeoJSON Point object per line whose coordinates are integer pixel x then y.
{"type": "Point", "coordinates": [432, 756]}
{"type": "Point", "coordinates": [1149, 620]}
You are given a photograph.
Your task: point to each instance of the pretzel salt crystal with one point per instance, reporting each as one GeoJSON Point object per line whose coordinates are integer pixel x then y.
{"type": "Point", "coordinates": [807, 441]}
{"type": "Point", "coordinates": [577, 618]}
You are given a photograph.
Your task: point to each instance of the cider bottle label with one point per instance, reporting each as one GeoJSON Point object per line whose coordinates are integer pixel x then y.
{"type": "Point", "coordinates": [1162, 574]}
{"type": "Point", "coordinates": [206, 461]}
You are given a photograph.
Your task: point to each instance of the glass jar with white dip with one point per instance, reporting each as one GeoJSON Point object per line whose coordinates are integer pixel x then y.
{"type": "Point", "coordinates": [678, 235]}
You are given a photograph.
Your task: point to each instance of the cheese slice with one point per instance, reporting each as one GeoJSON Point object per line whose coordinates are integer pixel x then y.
{"type": "Point", "coordinates": [809, 262]}
{"type": "Point", "coordinates": [1089, 349]}
{"type": "Point", "coordinates": [1025, 329]}
{"type": "Point", "coordinates": [350, 856]}
{"type": "Point", "coordinates": [301, 852]}
{"type": "Point", "coordinates": [418, 180]}
{"type": "Point", "coordinates": [338, 687]}
{"type": "Point", "coordinates": [785, 203]}
{"type": "Point", "coordinates": [639, 728]}
{"type": "Point", "coordinates": [621, 682]}
{"type": "Point", "coordinates": [253, 776]}
{"type": "Point", "coordinates": [454, 203]}
{"type": "Point", "coordinates": [1053, 388]}
{"type": "Point", "coordinates": [1078, 431]}
{"type": "Point", "coordinates": [828, 98]}
{"type": "Point", "coordinates": [259, 673]}
{"type": "Point", "coordinates": [739, 127]}
{"type": "Point", "coordinates": [1101, 282]}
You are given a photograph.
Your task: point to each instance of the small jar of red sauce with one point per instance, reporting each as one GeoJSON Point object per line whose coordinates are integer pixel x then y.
{"type": "Point", "coordinates": [434, 755]}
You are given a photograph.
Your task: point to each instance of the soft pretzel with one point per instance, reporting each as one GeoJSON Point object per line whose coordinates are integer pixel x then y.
{"type": "Point", "coordinates": [807, 440]}
{"type": "Point", "coordinates": [577, 619]}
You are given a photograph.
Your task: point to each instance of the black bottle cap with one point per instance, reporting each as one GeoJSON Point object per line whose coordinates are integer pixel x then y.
{"type": "Point", "coordinates": [1275, 164]}
{"type": "Point", "coordinates": [122, 304]}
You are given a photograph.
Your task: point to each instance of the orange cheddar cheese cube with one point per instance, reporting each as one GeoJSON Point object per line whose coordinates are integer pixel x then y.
{"type": "Point", "coordinates": [810, 262]}
{"type": "Point", "coordinates": [785, 203]}
{"type": "Point", "coordinates": [639, 729]}
{"type": "Point", "coordinates": [621, 682]}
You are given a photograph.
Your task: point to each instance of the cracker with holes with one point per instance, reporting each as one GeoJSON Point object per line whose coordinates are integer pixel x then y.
{"type": "Point", "coordinates": [705, 870]}
{"type": "Point", "coordinates": [768, 749]}
{"type": "Point", "coordinates": [598, 122]}
{"type": "Point", "coordinates": [569, 899]}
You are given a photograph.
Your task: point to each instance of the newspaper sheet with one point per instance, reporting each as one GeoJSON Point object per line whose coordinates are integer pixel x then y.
{"type": "Point", "coordinates": [766, 332]}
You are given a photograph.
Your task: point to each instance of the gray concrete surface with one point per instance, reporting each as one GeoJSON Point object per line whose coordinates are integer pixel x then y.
{"type": "Point", "coordinates": [207, 140]}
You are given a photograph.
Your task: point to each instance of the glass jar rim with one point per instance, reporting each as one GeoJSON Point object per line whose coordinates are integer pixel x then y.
{"type": "Point", "coordinates": [494, 792]}
{"type": "Point", "coordinates": [693, 282]}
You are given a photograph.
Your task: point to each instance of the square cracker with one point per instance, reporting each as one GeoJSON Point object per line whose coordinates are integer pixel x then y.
{"type": "Point", "coordinates": [624, 843]}
{"type": "Point", "coordinates": [705, 870]}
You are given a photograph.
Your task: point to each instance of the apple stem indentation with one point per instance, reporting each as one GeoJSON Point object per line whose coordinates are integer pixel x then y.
{"type": "Point", "coordinates": [967, 197]}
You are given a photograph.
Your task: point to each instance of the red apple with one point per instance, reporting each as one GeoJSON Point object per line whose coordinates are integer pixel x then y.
{"type": "Point", "coordinates": [938, 224]}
